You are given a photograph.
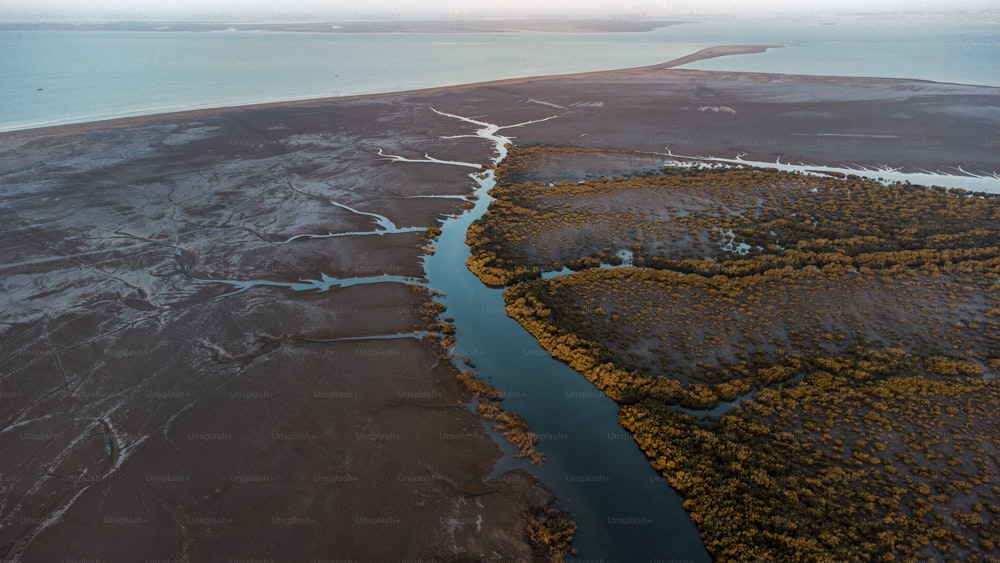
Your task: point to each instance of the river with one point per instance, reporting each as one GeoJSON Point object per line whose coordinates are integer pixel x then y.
{"type": "Point", "coordinates": [625, 511]}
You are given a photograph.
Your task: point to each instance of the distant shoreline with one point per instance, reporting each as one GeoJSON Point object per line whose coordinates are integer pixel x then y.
{"type": "Point", "coordinates": [137, 120]}
{"type": "Point", "coordinates": [489, 25]}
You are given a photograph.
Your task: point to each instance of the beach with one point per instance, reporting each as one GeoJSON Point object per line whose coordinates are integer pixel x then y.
{"type": "Point", "coordinates": [154, 409]}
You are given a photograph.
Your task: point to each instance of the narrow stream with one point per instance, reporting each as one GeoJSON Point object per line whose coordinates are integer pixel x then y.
{"type": "Point", "coordinates": [323, 284]}
{"type": "Point", "coordinates": [989, 182]}
{"type": "Point", "coordinates": [625, 511]}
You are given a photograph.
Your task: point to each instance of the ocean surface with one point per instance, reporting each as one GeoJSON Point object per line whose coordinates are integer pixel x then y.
{"type": "Point", "coordinates": [55, 77]}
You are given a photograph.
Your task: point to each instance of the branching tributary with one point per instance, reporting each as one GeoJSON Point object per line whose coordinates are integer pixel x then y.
{"type": "Point", "coordinates": [625, 511]}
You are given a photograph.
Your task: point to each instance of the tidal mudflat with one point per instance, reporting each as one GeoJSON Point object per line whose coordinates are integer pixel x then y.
{"type": "Point", "coordinates": [160, 400]}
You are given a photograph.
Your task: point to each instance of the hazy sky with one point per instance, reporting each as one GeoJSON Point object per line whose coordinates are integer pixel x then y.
{"type": "Point", "coordinates": [392, 9]}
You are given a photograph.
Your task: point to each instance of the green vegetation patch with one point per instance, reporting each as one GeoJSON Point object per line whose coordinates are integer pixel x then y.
{"type": "Point", "coordinates": [691, 220]}
{"type": "Point", "coordinates": [811, 362]}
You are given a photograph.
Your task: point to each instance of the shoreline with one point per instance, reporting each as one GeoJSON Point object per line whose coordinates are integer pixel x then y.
{"type": "Point", "coordinates": [489, 25]}
{"type": "Point", "coordinates": [82, 127]}
{"type": "Point", "coordinates": [145, 119]}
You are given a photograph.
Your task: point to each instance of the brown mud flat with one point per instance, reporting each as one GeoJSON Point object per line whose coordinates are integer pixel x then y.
{"type": "Point", "coordinates": [146, 414]}
{"type": "Point", "coordinates": [144, 405]}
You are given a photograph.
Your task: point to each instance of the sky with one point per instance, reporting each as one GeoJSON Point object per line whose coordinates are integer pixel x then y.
{"type": "Point", "coordinates": [318, 10]}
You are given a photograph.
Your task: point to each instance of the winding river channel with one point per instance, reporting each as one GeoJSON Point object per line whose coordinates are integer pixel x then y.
{"type": "Point", "coordinates": [625, 511]}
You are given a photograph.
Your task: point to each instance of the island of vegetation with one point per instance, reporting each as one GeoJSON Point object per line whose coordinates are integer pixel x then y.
{"type": "Point", "coordinates": [809, 361]}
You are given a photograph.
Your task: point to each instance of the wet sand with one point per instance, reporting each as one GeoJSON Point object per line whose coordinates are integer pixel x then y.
{"type": "Point", "coordinates": [145, 414]}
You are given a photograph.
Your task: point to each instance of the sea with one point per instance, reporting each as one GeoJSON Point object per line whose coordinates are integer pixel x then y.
{"type": "Point", "coordinates": [66, 76]}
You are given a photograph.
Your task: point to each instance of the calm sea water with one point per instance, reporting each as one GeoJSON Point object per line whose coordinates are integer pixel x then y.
{"type": "Point", "coordinates": [52, 77]}
{"type": "Point", "coordinates": [958, 49]}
